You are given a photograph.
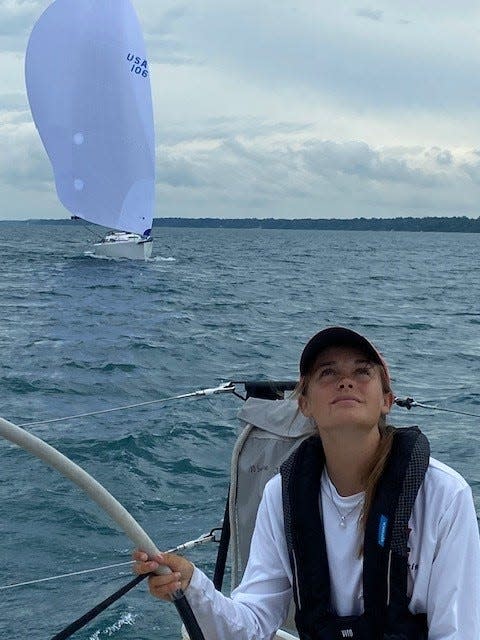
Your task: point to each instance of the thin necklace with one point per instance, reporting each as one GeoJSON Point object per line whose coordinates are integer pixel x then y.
{"type": "Point", "coordinates": [343, 516]}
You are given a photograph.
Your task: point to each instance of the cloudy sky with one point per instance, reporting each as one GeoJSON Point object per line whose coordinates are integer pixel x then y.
{"type": "Point", "coordinates": [284, 108]}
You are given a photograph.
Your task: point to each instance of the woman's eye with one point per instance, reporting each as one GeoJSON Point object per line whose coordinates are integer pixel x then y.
{"type": "Point", "coordinates": [325, 373]}
{"type": "Point", "coordinates": [364, 371]}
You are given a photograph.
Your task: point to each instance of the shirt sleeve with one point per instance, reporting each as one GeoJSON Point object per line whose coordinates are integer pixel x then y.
{"type": "Point", "coordinates": [259, 605]}
{"type": "Point", "coordinates": [453, 602]}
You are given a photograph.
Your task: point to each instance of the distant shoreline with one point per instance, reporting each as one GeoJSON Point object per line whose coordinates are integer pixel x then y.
{"type": "Point", "coordinates": [457, 224]}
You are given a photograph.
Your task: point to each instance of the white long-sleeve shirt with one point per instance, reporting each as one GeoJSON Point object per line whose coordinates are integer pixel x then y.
{"type": "Point", "coordinates": [444, 564]}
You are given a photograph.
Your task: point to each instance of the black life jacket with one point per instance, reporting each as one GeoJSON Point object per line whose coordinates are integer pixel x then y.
{"type": "Point", "coordinates": [386, 615]}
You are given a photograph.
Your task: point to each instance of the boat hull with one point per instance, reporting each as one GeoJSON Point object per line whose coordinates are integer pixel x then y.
{"type": "Point", "coordinates": [131, 248]}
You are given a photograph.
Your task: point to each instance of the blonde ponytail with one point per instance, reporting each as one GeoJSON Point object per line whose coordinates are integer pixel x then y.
{"type": "Point", "coordinates": [379, 462]}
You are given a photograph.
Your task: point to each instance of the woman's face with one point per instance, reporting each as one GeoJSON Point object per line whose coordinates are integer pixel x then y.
{"type": "Point", "coordinates": [345, 390]}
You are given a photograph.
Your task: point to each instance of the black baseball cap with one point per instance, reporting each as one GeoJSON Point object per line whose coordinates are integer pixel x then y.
{"type": "Point", "coordinates": [335, 337]}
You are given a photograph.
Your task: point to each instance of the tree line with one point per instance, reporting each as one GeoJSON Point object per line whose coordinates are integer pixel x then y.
{"type": "Point", "coordinates": [458, 224]}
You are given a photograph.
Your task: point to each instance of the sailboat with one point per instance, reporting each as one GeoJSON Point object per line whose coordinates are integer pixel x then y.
{"type": "Point", "coordinates": [88, 86]}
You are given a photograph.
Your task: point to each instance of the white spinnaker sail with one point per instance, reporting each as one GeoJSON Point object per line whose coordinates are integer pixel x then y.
{"type": "Point", "coordinates": [89, 91]}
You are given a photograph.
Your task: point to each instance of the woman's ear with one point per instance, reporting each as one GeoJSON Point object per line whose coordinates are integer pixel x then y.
{"type": "Point", "coordinates": [303, 405]}
{"type": "Point", "coordinates": [388, 399]}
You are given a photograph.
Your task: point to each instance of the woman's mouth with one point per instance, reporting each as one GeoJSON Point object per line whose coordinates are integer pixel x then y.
{"type": "Point", "coordinates": [342, 399]}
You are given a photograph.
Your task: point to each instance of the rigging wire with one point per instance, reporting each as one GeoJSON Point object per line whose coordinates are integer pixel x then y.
{"type": "Point", "coordinates": [226, 387]}
{"type": "Point", "coordinates": [408, 403]}
{"type": "Point", "coordinates": [88, 227]}
{"type": "Point", "coordinates": [207, 537]}
{"type": "Point", "coordinates": [65, 575]}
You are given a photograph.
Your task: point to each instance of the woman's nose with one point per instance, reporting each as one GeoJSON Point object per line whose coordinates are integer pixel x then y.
{"type": "Point", "coordinates": [345, 384]}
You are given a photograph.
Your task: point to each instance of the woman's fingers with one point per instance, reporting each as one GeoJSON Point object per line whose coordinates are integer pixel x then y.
{"type": "Point", "coordinates": [142, 563]}
{"type": "Point", "coordinates": [164, 586]}
{"type": "Point", "coordinates": [161, 586]}
{"type": "Point", "coordinates": [145, 567]}
{"type": "Point", "coordinates": [178, 565]}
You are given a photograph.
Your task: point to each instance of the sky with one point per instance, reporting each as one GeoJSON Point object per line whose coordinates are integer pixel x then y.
{"type": "Point", "coordinates": [284, 109]}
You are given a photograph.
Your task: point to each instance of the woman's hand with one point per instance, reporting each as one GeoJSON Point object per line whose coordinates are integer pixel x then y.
{"type": "Point", "coordinates": [163, 586]}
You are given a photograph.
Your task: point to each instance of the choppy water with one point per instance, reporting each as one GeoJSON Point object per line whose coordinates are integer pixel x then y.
{"type": "Point", "coordinates": [80, 334]}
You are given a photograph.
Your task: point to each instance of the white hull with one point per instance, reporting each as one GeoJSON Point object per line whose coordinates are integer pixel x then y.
{"type": "Point", "coordinates": [124, 245]}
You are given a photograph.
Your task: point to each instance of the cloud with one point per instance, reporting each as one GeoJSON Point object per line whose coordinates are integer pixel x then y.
{"type": "Point", "coordinates": [304, 47]}
{"type": "Point", "coordinates": [23, 162]}
{"type": "Point", "coordinates": [371, 14]}
{"type": "Point", "coordinates": [159, 27]}
{"type": "Point", "coordinates": [255, 177]}
{"type": "Point", "coordinates": [471, 167]}
{"type": "Point", "coordinates": [360, 160]}
{"type": "Point", "coordinates": [14, 102]}
{"type": "Point", "coordinates": [443, 157]}
{"type": "Point", "coordinates": [222, 128]}
{"type": "Point", "coordinates": [177, 171]}
{"type": "Point", "coordinates": [16, 20]}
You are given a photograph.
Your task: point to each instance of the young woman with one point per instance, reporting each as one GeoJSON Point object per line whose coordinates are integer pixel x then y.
{"type": "Point", "coordinates": [371, 537]}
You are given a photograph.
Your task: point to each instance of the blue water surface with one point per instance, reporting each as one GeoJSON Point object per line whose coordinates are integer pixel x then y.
{"type": "Point", "coordinates": [80, 334]}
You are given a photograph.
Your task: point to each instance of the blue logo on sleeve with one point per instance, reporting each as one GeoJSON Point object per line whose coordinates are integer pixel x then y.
{"type": "Point", "coordinates": [382, 530]}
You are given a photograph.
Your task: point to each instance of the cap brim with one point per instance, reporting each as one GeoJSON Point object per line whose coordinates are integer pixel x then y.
{"type": "Point", "coordinates": [336, 336]}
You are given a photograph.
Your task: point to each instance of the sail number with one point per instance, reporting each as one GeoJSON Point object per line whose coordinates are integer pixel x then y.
{"type": "Point", "coordinates": [139, 65]}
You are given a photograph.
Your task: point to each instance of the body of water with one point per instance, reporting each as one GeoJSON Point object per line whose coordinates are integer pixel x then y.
{"type": "Point", "coordinates": [80, 334]}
